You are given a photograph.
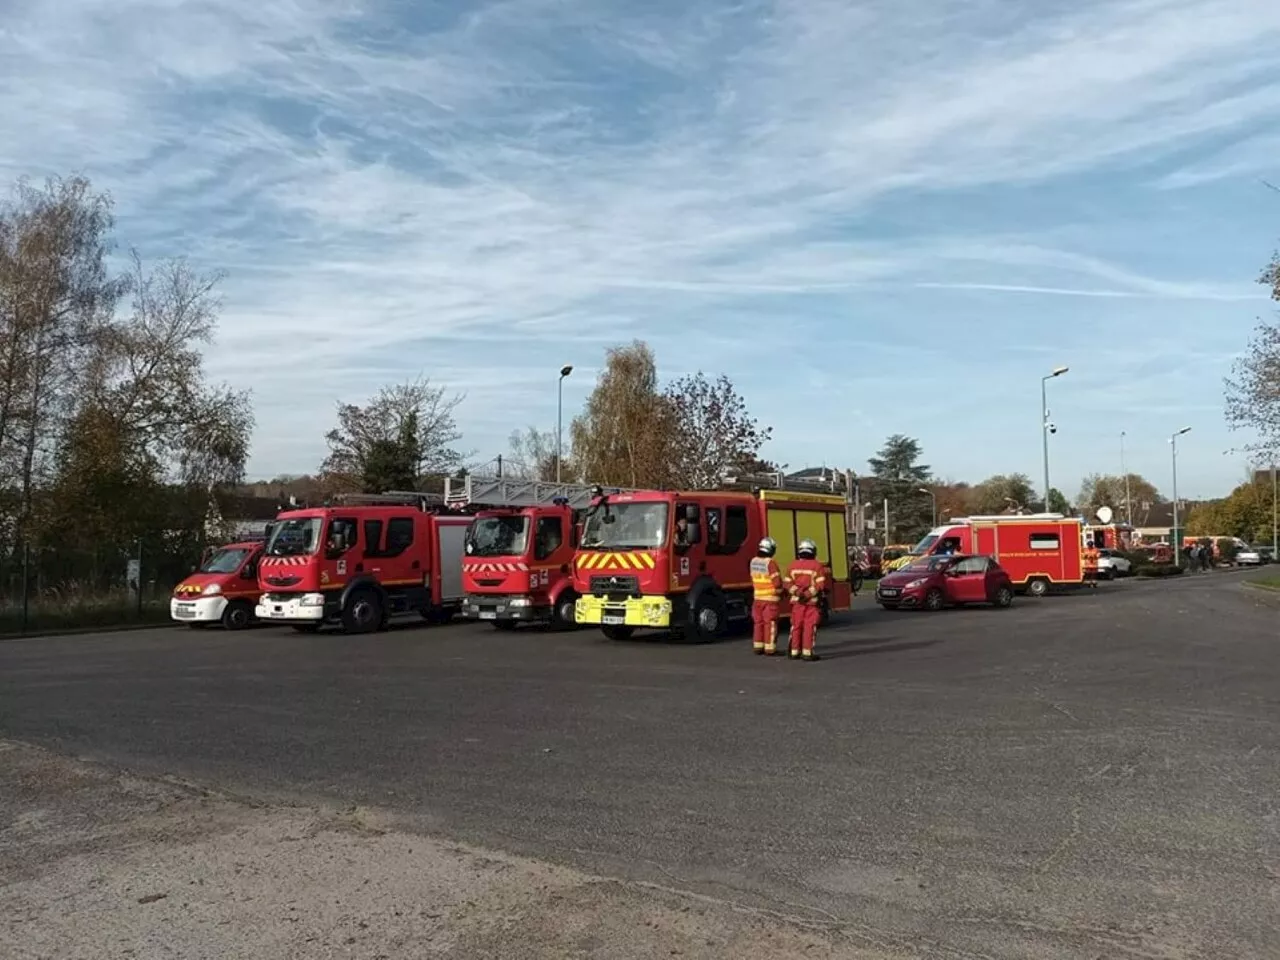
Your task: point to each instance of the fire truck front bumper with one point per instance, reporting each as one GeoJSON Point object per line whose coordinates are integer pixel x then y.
{"type": "Point", "coordinates": [197, 610]}
{"type": "Point", "coordinates": [631, 612]}
{"type": "Point", "coordinates": [286, 607]}
{"type": "Point", "coordinates": [504, 607]}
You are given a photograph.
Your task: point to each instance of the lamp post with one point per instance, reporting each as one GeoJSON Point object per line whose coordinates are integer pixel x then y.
{"type": "Point", "coordinates": [564, 372]}
{"type": "Point", "coordinates": [1124, 472]}
{"type": "Point", "coordinates": [1046, 427]}
{"type": "Point", "coordinates": [1275, 518]}
{"type": "Point", "coordinates": [1173, 534]}
{"type": "Point", "coordinates": [934, 497]}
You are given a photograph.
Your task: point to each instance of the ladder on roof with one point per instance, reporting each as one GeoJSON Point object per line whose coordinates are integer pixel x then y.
{"type": "Point", "coordinates": [392, 498]}
{"type": "Point", "coordinates": [508, 492]}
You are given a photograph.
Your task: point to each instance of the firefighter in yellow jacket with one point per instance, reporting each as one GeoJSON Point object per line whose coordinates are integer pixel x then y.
{"type": "Point", "coordinates": [766, 586]}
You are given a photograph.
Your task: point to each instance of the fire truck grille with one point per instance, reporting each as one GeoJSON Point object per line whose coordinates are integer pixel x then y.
{"type": "Point", "coordinates": [283, 581]}
{"type": "Point", "coordinates": [614, 586]}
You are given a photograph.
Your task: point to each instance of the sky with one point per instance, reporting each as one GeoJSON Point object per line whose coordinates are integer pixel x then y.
{"type": "Point", "coordinates": [876, 217]}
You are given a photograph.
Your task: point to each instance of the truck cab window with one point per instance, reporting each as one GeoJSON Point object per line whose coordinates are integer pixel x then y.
{"type": "Point", "coordinates": [549, 537]}
{"type": "Point", "coordinates": [342, 536]}
{"type": "Point", "coordinates": [735, 529]}
{"type": "Point", "coordinates": [713, 530]}
{"type": "Point", "coordinates": [399, 536]}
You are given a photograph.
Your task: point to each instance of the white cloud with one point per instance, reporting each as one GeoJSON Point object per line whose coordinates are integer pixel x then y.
{"type": "Point", "coordinates": [395, 191]}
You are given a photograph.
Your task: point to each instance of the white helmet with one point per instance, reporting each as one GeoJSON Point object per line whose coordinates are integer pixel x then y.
{"type": "Point", "coordinates": [807, 548]}
{"type": "Point", "coordinates": [767, 548]}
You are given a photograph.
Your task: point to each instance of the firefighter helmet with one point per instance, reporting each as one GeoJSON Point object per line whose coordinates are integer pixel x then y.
{"type": "Point", "coordinates": [807, 549]}
{"type": "Point", "coordinates": [767, 547]}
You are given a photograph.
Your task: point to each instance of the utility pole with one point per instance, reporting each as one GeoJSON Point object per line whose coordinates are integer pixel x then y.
{"type": "Point", "coordinates": [1124, 472]}
{"type": "Point", "coordinates": [886, 521]}
{"type": "Point", "coordinates": [1174, 534]}
{"type": "Point", "coordinates": [564, 372]}
{"type": "Point", "coordinates": [1046, 427]}
{"type": "Point", "coordinates": [1275, 518]}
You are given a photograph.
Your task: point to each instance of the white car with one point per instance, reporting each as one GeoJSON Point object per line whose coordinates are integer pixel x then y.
{"type": "Point", "coordinates": [1112, 565]}
{"type": "Point", "coordinates": [1248, 556]}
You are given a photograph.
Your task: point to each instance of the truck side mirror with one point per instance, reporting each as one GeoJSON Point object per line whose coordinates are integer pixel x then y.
{"type": "Point", "coordinates": [693, 532]}
{"type": "Point", "coordinates": [691, 513]}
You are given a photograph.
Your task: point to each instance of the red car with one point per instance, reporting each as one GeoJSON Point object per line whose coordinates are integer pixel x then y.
{"type": "Point", "coordinates": [934, 582]}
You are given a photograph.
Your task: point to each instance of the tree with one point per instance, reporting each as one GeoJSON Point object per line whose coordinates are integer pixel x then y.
{"type": "Point", "coordinates": [533, 456]}
{"type": "Point", "coordinates": [714, 433]}
{"type": "Point", "coordinates": [1058, 502]}
{"type": "Point", "coordinates": [1099, 490]}
{"type": "Point", "coordinates": [900, 478]}
{"type": "Point", "coordinates": [55, 294]}
{"type": "Point", "coordinates": [954, 499]}
{"type": "Point", "coordinates": [1246, 513]}
{"type": "Point", "coordinates": [1253, 389]}
{"type": "Point", "coordinates": [1004, 493]}
{"type": "Point", "coordinates": [624, 436]}
{"type": "Point", "coordinates": [403, 435]}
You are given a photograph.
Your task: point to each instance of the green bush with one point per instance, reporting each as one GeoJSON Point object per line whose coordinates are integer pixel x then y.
{"type": "Point", "coordinates": [1159, 570]}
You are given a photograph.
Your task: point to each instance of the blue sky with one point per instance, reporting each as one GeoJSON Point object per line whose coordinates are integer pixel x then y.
{"type": "Point", "coordinates": [877, 218]}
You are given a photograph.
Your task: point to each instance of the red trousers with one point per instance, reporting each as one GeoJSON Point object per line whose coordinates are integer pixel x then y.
{"type": "Point", "coordinates": [804, 628]}
{"type": "Point", "coordinates": [764, 617]}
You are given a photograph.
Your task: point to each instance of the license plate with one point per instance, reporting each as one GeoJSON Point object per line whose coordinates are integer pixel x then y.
{"type": "Point", "coordinates": [891, 592]}
{"type": "Point", "coordinates": [613, 619]}
{"type": "Point", "coordinates": [488, 615]}
{"type": "Point", "coordinates": [184, 613]}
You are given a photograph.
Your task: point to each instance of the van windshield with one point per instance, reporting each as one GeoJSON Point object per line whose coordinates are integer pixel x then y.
{"type": "Point", "coordinates": [626, 526]}
{"type": "Point", "coordinates": [498, 537]}
{"type": "Point", "coordinates": [225, 561]}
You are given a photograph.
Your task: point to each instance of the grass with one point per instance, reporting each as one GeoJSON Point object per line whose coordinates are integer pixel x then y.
{"type": "Point", "coordinates": [54, 612]}
{"type": "Point", "coordinates": [1270, 582]}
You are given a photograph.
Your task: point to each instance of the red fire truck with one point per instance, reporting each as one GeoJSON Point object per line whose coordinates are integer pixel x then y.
{"type": "Point", "coordinates": [224, 589]}
{"type": "Point", "coordinates": [680, 561]}
{"type": "Point", "coordinates": [1038, 550]}
{"type": "Point", "coordinates": [518, 561]}
{"type": "Point", "coordinates": [361, 560]}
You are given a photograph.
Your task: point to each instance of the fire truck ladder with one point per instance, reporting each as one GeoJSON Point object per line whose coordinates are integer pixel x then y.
{"type": "Point", "coordinates": [507, 492]}
{"type": "Point", "coordinates": [392, 498]}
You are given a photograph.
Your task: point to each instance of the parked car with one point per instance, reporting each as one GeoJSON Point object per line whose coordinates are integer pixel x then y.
{"type": "Point", "coordinates": [931, 583]}
{"type": "Point", "coordinates": [1111, 565]}
{"type": "Point", "coordinates": [1248, 556]}
{"type": "Point", "coordinates": [1268, 554]}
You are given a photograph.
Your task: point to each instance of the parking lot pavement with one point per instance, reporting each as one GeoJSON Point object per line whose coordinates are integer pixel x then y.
{"type": "Point", "coordinates": [1086, 775]}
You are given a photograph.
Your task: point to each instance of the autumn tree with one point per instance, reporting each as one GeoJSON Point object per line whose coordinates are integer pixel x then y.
{"type": "Point", "coordinates": [1003, 493]}
{"type": "Point", "coordinates": [1246, 513]}
{"type": "Point", "coordinates": [901, 478]}
{"type": "Point", "coordinates": [55, 293]}
{"type": "Point", "coordinates": [1253, 389]}
{"type": "Point", "coordinates": [1099, 490]}
{"type": "Point", "coordinates": [955, 499]}
{"type": "Point", "coordinates": [714, 433]}
{"type": "Point", "coordinates": [625, 435]}
{"type": "Point", "coordinates": [404, 435]}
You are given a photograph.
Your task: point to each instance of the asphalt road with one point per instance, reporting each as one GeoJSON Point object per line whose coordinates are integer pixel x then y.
{"type": "Point", "coordinates": [1092, 775]}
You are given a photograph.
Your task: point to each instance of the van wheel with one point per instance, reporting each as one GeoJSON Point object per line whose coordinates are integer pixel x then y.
{"type": "Point", "coordinates": [1038, 587]}
{"type": "Point", "coordinates": [362, 612]}
{"type": "Point", "coordinates": [562, 615]}
{"type": "Point", "coordinates": [617, 633]}
{"type": "Point", "coordinates": [237, 615]}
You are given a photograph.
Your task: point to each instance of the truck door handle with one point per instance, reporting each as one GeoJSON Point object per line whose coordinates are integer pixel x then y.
{"type": "Point", "coordinates": [564, 568]}
{"type": "Point", "coordinates": [359, 568]}
{"type": "Point", "coordinates": [416, 565]}
{"type": "Point", "coordinates": [702, 566]}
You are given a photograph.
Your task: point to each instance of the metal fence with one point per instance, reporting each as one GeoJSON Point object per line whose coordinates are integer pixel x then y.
{"type": "Point", "coordinates": [52, 588]}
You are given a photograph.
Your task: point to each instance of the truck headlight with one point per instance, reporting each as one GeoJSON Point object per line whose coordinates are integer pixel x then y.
{"type": "Point", "coordinates": [212, 589]}
{"type": "Point", "coordinates": [520, 601]}
{"type": "Point", "coordinates": [311, 600]}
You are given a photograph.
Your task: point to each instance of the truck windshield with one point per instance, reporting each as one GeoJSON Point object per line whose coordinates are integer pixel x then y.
{"type": "Point", "coordinates": [631, 526]}
{"type": "Point", "coordinates": [295, 537]}
{"type": "Point", "coordinates": [225, 560]}
{"type": "Point", "coordinates": [924, 546]}
{"type": "Point", "coordinates": [498, 537]}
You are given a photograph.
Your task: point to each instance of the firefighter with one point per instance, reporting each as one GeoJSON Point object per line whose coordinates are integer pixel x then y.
{"type": "Point", "coordinates": [766, 586]}
{"type": "Point", "coordinates": [806, 581]}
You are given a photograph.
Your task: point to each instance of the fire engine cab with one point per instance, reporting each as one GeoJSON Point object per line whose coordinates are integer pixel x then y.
{"type": "Point", "coordinates": [1037, 550]}
{"type": "Point", "coordinates": [361, 560]}
{"type": "Point", "coordinates": [680, 561]}
{"type": "Point", "coordinates": [518, 560]}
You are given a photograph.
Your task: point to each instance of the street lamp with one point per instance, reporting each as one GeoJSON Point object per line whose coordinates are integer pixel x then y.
{"type": "Point", "coordinates": [564, 372]}
{"type": "Point", "coordinates": [934, 497]}
{"type": "Point", "coordinates": [1177, 540]}
{"type": "Point", "coordinates": [1046, 427]}
{"type": "Point", "coordinates": [1124, 472]}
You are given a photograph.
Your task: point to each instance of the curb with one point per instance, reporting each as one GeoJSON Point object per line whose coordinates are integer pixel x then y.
{"type": "Point", "coordinates": [1254, 585]}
